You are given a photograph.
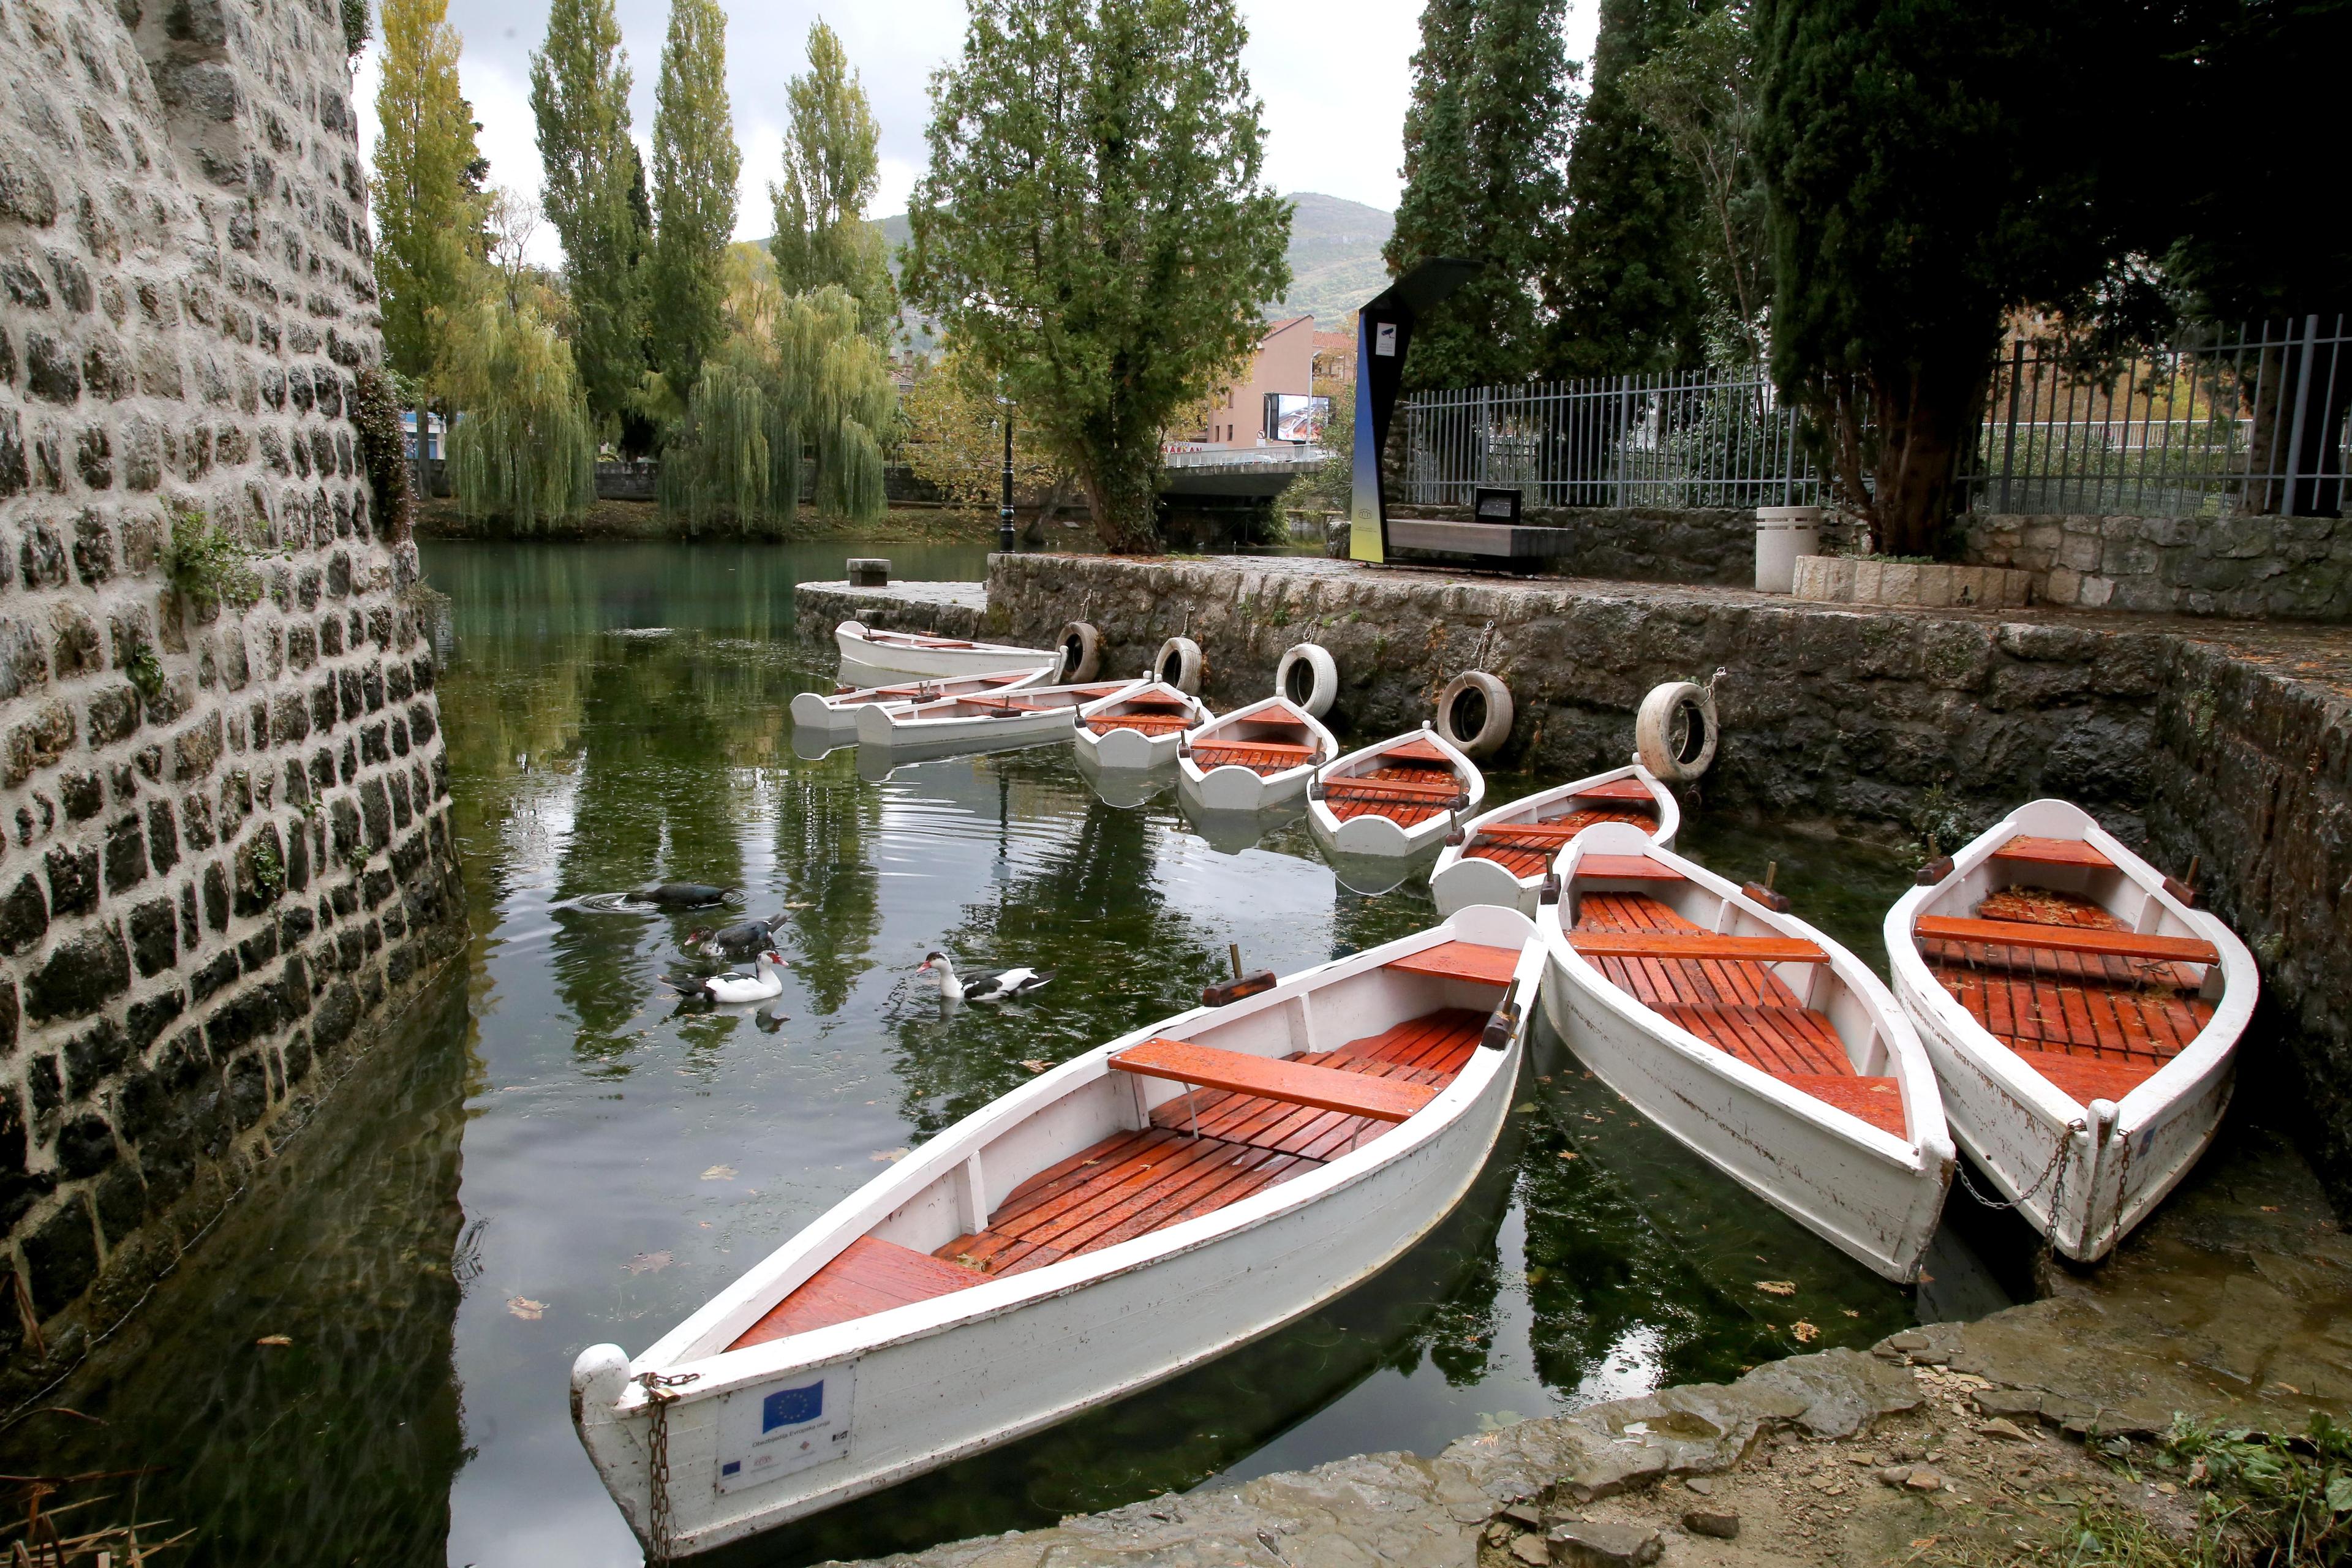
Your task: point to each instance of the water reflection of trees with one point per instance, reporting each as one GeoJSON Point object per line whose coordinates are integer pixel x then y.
{"type": "Point", "coordinates": [825, 817]}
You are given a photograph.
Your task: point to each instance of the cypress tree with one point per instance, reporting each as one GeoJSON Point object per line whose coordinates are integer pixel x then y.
{"type": "Point", "coordinates": [1624, 281]}
{"type": "Point", "coordinates": [580, 97]}
{"type": "Point", "coordinates": [833, 165]}
{"type": "Point", "coordinates": [429, 207]}
{"type": "Point", "coordinates": [695, 167]}
{"type": "Point", "coordinates": [1485, 140]}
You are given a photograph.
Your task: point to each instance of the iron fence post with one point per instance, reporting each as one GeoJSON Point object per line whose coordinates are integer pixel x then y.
{"type": "Point", "coordinates": [2008, 434]}
{"type": "Point", "coordinates": [2302, 407]}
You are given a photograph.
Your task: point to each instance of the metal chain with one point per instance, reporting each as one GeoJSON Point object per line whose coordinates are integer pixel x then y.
{"type": "Point", "coordinates": [2057, 1159]}
{"type": "Point", "coordinates": [657, 1525]}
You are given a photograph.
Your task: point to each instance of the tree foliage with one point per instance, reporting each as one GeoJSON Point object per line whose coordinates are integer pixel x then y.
{"type": "Point", "coordinates": [1625, 281]}
{"type": "Point", "coordinates": [833, 165]}
{"type": "Point", "coordinates": [1093, 229]}
{"type": "Point", "coordinates": [525, 450]}
{"type": "Point", "coordinates": [694, 167]}
{"type": "Point", "coordinates": [1486, 137]}
{"type": "Point", "coordinates": [955, 441]}
{"type": "Point", "coordinates": [427, 191]}
{"type": "Point", "coordinates": [580, 97]}
{"type": "Point", "coordinates": [1932, 166]}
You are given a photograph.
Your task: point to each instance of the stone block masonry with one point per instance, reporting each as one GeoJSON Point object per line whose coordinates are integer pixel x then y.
{"type": "Point", "coordinates": [224, 831]}
{"type": "Point", "coordinates": [2279, 568]}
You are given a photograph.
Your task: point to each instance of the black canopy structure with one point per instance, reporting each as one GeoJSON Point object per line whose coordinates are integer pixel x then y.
{"type": "Point", "coordinates": [1383, 334]}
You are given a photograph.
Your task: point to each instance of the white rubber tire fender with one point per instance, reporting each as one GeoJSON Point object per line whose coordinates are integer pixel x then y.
{"type": "Point", "coordinates": [1494, 726]}
{"type": "Point", "coordinates": [1676, 732]}
{"type": "Point", "coordinates": [1081, 647]}
{"type": "Point", "coordinates": [1308, 666]}
{"type": "Point", "coordinates": [1177, 663]}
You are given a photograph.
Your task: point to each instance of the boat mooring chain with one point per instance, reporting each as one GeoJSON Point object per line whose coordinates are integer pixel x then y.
{"type": "Point", "coordinates": [2057, 1160]}
{"type": "Point", "coordinates": [658, 1524]}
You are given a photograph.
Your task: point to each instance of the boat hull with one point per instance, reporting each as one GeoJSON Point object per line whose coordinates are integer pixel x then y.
{"type": "Point", "coordinates": [866, 661]}
{"type": "Point", "coordinates": [905, 738]}
{"type": "Point", "coordinates": [1236, 790]}
{"type": "Point", "coordinates": [1127, 751]}
{"type": "Point", "coordinates": [1877, 1210]}
{"type": "Point", "coordinates": [1459, 880]}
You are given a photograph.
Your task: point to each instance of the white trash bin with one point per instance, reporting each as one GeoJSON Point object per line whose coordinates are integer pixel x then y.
{"type": "Point", "coordinates": [1784, 533]}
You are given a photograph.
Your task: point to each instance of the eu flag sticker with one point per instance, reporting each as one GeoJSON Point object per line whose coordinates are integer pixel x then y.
{"type": "Point", "coordinates": [792, 1407]}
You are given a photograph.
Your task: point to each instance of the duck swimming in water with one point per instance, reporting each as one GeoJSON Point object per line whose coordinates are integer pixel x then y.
{"type": "Point", "coordinates": [765, 983]}
{"type": "Point", "coordinates": [986, 986]}
{"type": "Point", "coordinates": [738, 940]}
{"type": "Point", "coordinates": [683, 895]}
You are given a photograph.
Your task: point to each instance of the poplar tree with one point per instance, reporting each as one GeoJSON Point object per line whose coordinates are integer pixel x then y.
{"type": "Point", "coordinates": [833, 164]}
{"type": "Point", "coordinates": [1626, 279]}
{"type": "Point", "coordinates": [580, 97]}
{"type": "Point", "coordinates": [428, 202]}
{"type": "Point", "coordinates": [1486, 137]}
{"type": "Point", "coordinates": [695, 167]}
{"type": "Point", "coordinates": [1094, 229]}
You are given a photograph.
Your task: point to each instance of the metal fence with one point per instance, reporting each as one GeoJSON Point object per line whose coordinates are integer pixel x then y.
{"type": "Point", "coordinates": [2252, 420]}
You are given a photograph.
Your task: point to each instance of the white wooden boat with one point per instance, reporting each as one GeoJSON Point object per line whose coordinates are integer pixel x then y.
{"type": "Point", "coordinates": [2082, 1017]}
{"type": "Point", "coordinates": [1394, 798]}
{"type": "Point", "coordinates": [1254, 757]}
{"type": "Point", "coordinates": [1765, 1049]}
{"type": "Point", "coordinates": [1137, 730]}
{"type": "Point", "coordinates": [1140, 1209]}
{"type": "Point", "coordinates": [987, 720]}
{"type": "Point", "coordinates": [833, 717]}
{"type": "Point", "coordinates": [1504, 854]}
{"type": "Point", "coordinates": [875, 657]}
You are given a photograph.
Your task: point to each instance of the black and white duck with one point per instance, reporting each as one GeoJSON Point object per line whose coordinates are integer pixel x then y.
{"type": "Point", "coordinates": [983, 985]}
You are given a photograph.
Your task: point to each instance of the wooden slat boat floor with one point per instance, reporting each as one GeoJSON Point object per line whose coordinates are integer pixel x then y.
{"type": "Point", "coordinates": [1134, 1182]}
{"type": "Point", "coordinates": [1143, 724]}
{"type": "Point", "coordinates": [1406, 795]}
{"type": "Point", "coordinates": [1276, 758]}
{"type": "Point", "coordinates": [1741, 1008]}
{"type": "Point", "coordinates": [2094, 1026]}
{"type": "Point", "coordinates": [869, 1276]}
{"type": "Point", "coordinates": [1528, 848]}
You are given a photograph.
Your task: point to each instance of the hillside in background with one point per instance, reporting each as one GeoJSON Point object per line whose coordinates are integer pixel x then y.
{"type": "Point", "coordinates": [1335, 257]}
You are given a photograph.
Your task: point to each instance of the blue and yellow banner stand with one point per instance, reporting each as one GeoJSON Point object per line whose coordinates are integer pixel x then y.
{"type": "Point", "coordinates": [1383, 334]}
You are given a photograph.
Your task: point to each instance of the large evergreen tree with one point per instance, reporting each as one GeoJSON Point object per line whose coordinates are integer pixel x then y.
{"type": "Point", "coordinates": [1485, 140]}
{"type": "Point", "coordinates": [1932, 164]}
{"type": "Point", "coordinates": [1624, 282]}
{"type": "Point", "coordinates": [427, 193]}
{"type": "Point", "coordinates": [694, 166]}
{"type": "Point", "coordinates": [833, 164]}
{"type": "Point", "coordinates": [580, 97]}
{"type": "Point", "coordinates": [1094, 229]}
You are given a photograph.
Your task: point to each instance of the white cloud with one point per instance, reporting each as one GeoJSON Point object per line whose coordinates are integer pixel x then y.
{"type": "Point", "coordinates": [1335, 79]}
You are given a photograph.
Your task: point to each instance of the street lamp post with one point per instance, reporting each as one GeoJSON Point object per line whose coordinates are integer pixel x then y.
{"type": "Point", "coordinates": [1004, 507]}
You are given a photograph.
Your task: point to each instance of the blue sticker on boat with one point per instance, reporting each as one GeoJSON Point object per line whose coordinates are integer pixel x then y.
{"type": "Point", "coordinates": [731, 1467]}
{"type": "Point", "coordinates": [791, 1407]}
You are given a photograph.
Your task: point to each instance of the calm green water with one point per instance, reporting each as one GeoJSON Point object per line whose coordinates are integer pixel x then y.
{"type": "Point", "coordinates": [548, 1156]}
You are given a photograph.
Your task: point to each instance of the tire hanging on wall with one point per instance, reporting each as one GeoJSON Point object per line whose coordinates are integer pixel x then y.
{"type": "Point", "coordinates": [1178, 664]}
{"type": "Point", "coordinates": [1081, 647]}
{"type": "Point", "coordinates": [1495, 710]}
{"type": "Point", "coordinates": [1676, 732]}
{"type": "Point", "coordinates": [1308, 677]}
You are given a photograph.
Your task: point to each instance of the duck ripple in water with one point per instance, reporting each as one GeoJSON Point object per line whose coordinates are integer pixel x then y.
{"type": "Point", "coordinates": [664, 896]}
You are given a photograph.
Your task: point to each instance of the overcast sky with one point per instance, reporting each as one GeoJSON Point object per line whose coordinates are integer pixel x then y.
{"type": "Point", "coordinates": [1335, 78]}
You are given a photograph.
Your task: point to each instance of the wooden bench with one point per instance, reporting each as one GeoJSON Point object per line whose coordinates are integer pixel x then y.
{"type": "Point", "coordinates": [1696, 945]}
{"type": "Point", "coordinates": [1418, 752]}
{"type": "Point", "coordinates": [1280, 747]}
{"type": "Point", "coordinates": [1626, 868]}
{"type": "Point", "coordinates": [1460, 961]}
{"type": "Point", "coordinates": [2068, 938]}
{"type": "Point", "coordinates": [1324, 1089]}
{"type": "Point", "coordinates": [1618, 789]}
{"type": "Point", "coordinates": [2052, 852]}
{"type": "Point", "coordinates": [1357, 788]}
{"type": "Point", "coordinates": [867, 1276]}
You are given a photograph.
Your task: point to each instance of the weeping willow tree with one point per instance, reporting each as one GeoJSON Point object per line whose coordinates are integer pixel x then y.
{"type": "Point", "coordinates": [522, 449]}
{"type": "Point", "coordinates": [795, 384]}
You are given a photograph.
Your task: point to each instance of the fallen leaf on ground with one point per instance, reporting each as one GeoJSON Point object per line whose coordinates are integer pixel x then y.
{"type": "Point", "coordinates": [648, 1263]}
{"type": "Point", "coordinates": [1567, 1154]}
{"type": "Point", "coordinates": [526, 1309]}
{"type": "Point", "coordinates": [1806, 1333]}
{"type": "Point", "coordinates": [1524, 1109]}
{"type": "Point", "coordinates": [1777, 1287]}
{"type": "Point", "coordinates": [800, 906]}
{"type": "Point", "coordinates": [274, 1340]}
{"type": "Point", "coordinates": [1035, 1064]}
{"type": "Point", "coordinates": [894, 1155]}
{"type": "Point", "coordinates": [719, 1174]}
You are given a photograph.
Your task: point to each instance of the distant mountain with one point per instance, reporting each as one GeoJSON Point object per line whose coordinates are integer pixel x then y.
{"type": "Point", "coordinates": [1335, 257]}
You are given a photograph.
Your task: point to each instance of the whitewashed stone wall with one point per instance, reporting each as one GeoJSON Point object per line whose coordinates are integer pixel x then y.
{"type": "Point", "coordinates": [2287, 568]}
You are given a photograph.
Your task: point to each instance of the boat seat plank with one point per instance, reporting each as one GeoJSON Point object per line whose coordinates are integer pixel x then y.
{"type": "Point", "coordinates": [1619, 789]}
{"type": "Point", "coordinates": [1417, 750]}
{"type": "Point", "coordinates": [2069, 939]}
{"type": "Point", "coordinates": [1696, 945]}
{"type": "Point", "coordinates": [1404, 816]}
{"type": "Point", "coordinates": [1626, 868]}
{"type": "Point", "coordinates": [1460, 961]}
{"type": "Point", "coordinates": [1396, 783]}
{"type": "Point", "coordinates": [1325, 1087]}
{"type": "Point", "coordinates": [2052, 852]}
{"type": "Point", "coordinates": [868, 1275]}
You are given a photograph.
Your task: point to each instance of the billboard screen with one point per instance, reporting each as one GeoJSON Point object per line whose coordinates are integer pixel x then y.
{"type": "Point", "coordinates": [1291, 417]}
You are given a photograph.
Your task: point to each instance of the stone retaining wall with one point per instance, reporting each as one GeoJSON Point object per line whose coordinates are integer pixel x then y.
{"type": "Point", "coordinates": [818, 607]}
{"type": "Point", "coordinates": [224, 831]}
{"type": "Point", "coordinates": [2287, 568]}
{"type": "Point", "coordinates": [1647, 544]}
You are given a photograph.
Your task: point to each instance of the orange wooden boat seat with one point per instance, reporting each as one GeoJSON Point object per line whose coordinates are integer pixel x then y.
{"type": "Point", "coordinates": [869, 1277]}
{"type": "Point", "coordinates": [2069, 939]}
{"type": "Point", "coordinates": [1626, 868]}
{"type": "Point", "coordinates": [1326, 1089]}
{"type": "Point", "coordinates": [1394, 784]}
{"type": "Point", "coordinates": [1696, 945]}
{"type": "Point", "coordinates": [1460, 961]}
{"type": "Point", "coordinates": [1417, 752]}
{"type": "Point", "coordinates": [1620, 789]}
{"type": "Point", "coordinates": [2052, 852]}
